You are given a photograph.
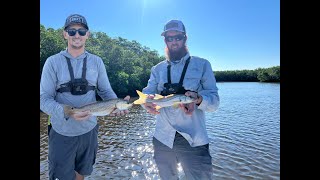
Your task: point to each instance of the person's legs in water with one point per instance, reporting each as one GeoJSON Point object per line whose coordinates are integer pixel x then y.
{"type": "Point", "coordinates": [195, 161]}
{"type": "Point", "coordinates": [166, 161]}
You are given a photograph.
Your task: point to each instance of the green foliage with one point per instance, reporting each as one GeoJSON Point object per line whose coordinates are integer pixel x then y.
{"type": "Point", "coordinates": [51, 42]}
{"type": "Point", "coordinates": [271, 74]}
{"type": "Point", "coordinates": [128, 64]}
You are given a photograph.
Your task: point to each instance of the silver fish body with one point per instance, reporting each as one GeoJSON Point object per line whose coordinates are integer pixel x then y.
{"type": "Point", "coordinates": [171, 101]}
{"type": "Point", "coordinates": [101, 108]}
{"type": "Point", "coordinates": [164, 101]}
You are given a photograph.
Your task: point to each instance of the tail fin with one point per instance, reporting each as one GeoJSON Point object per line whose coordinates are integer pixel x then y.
{"type": "Point", "coordinates": [142, 98]}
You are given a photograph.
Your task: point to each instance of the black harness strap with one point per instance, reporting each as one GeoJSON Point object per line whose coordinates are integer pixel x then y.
{"type": "Point", "coordinates": [71, 70]}
{"type": "Point", "coordinates": [183, 72]}
{"type": "Point", "coordinates": [84, 68]}
{"type": "Point", "coordinates": [168, 73]}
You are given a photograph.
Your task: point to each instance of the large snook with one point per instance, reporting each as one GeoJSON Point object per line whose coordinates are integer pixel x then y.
{"type": "Point", "coordinates": [101, 108]}
{"type": "Point", "coordinates": [164, 101]}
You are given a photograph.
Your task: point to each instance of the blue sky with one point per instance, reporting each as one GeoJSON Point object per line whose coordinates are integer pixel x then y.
{"type": "Point", "coordinates": [231, 34]}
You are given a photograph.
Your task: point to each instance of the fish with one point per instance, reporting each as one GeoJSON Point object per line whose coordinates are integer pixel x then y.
{"type": "Point", "coordinates": [164, 101]}
{"type": "Point", "coordinates": [101, 108]}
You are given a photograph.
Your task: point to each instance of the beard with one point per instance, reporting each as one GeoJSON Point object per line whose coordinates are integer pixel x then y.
{"type": "Point", "coordinates": [176, 54]}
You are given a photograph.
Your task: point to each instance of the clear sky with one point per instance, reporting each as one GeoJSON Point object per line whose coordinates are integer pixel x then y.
{"type": "Point", "coordinates": [231, 34]}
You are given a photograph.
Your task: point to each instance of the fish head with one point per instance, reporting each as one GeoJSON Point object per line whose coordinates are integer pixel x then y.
{"type": "Point", "coordinates": [187, 99]}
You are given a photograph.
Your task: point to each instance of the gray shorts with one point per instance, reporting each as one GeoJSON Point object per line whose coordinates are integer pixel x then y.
{"type": "Point", "coordinates": [70, 154]}
{"type": "Point", "coordinates": [195, 161]}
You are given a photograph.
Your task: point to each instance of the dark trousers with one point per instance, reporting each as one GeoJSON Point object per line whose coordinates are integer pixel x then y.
{"type": "Point", "coordinates": [195, 161]}
{"type": "Point", "coordinates": [68, 154]}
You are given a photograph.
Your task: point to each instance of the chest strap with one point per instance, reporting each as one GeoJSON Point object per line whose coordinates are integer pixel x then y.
{"type": "Point", "coordinates": [183, 72]}
{"type": "Point", "coordinates": [66, 87]}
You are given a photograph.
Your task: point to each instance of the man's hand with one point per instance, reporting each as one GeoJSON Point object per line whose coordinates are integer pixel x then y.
{"type": "Point", "coordinates": [118, 112]}
{"type": "Point", "coordinates": [151, 107]}
{"type": "Point", "coordinates": [198, 97]}
{"type": "Point", "coordinates": [81, 116]}
{"type": "Point", "coordinates": [189, 108]}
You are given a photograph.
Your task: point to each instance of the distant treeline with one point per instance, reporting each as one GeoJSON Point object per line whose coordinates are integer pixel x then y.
{"type": "Point", "coordinates": [271, 74]}
{"type": "Point", "coordinates": [128, 63]}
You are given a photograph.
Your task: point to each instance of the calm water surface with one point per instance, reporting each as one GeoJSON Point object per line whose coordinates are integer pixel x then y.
{"type": "Point", "coordinates": [244, 138]}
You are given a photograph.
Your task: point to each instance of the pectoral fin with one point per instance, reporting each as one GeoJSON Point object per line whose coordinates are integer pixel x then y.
{"type": "Point", "coordinates": [158, 107]}
{"type": "Point", "coordinates": [158, 96]}
{"type": "Point", "coordinates": [169, 95]}
{"type": "Point", "coordinates": [175, 105]}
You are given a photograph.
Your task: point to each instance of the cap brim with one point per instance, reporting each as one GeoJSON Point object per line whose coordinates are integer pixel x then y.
{"type": "Point", "coordinates": [73, 23]}
{"type": "Point", "coordinates": [164, 32]}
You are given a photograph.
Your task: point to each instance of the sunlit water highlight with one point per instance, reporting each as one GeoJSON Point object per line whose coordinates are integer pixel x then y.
{"type": "Point", "coordinates": [244, 138]}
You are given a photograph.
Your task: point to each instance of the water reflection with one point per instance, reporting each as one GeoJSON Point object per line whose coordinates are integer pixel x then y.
{"type": "Point", "coordinates": [125, 147]}
{"type": "Point", "coordinates": [244, 138]}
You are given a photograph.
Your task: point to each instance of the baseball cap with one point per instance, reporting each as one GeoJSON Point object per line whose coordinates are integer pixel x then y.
{"type": "Point", "coordinates": [76, 19]}
{"type": "Point", "coordinates": [173, 25]}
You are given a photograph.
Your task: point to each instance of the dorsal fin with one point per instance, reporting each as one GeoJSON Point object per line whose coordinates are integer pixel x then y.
{"type": "Point", "coordinates": [158, 96]}
{"type": "Point", "coordinates": [169, 95]}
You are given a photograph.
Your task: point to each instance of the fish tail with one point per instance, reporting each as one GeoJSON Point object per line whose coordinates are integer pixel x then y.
{"type": "Point", "coordinates": [142, 98]}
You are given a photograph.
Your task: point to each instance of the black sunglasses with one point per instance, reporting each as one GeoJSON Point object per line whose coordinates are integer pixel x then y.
{"type": "Point", "coordinates": [178, 37]}
{"type": "Point", "coordinates": [72, 32]}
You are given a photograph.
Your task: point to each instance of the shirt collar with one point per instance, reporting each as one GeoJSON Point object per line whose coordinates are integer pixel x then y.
{"type": "Point", "coordinates": [67, 54]}
{"type": "Point", "coordinates": [182, 60]}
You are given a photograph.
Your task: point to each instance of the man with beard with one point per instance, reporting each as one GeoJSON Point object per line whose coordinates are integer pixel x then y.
{"type": "Point", "coordinates": [180, 134]}
{"type": "Point", "coordinates": [72, 77]}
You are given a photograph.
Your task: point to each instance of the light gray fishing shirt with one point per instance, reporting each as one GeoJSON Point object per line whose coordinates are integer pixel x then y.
{"type": "Point", "coordinates": [55, 72]}
{"type": "Point", "coordinates": [199, 77]}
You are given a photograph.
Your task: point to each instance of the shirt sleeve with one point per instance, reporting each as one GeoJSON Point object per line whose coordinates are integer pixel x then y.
{"type": "Point", "coordinates": [152, 85]}
{"type": "Point", "coordinates": [104, 88]}
{"type": "Point", "coordinates": [48, 81]}
{"type": "Point", "coordinates": [209, 90]}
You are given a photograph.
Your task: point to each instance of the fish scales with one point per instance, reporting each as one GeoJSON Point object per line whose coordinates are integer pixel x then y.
{"type": "Point", "coordinates": [164, 101]}
{"type": "Point", "coordinates": [101, 108]}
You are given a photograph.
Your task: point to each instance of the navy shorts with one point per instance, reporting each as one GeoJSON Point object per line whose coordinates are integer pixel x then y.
{"type": "Point", "coordinates": [70, 154]}
{"type": "Point", "coordinates": [195, 161]}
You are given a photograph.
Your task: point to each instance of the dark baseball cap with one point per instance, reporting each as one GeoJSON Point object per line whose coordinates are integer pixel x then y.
{"type": "Point", "coordinates": [76, 19]}
{"type": "Point", "coordinates": [174, 25]}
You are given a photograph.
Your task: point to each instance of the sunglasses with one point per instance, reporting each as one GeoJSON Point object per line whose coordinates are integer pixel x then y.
{"type": "Point", "coordinates": [177, 38]}
{"type": "Point", "coordinates": [72, 32]}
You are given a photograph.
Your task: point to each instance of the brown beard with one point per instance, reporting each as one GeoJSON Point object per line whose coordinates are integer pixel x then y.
{"type": "Point", "coordinates": [176, 55]}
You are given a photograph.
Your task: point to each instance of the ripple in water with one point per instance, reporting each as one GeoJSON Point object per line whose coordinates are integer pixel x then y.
{"type": "Point", "coordinates": [244, 138]}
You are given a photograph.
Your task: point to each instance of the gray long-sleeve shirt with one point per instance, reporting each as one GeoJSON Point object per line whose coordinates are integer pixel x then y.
{"type": "Point", "coordinates": [55, 72]}
{"type": "Point", "coordinates": [199, 77]}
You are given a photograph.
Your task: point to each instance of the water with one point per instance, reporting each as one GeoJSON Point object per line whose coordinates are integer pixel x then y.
{"type": "Point", "coordinates": [244, 138]}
